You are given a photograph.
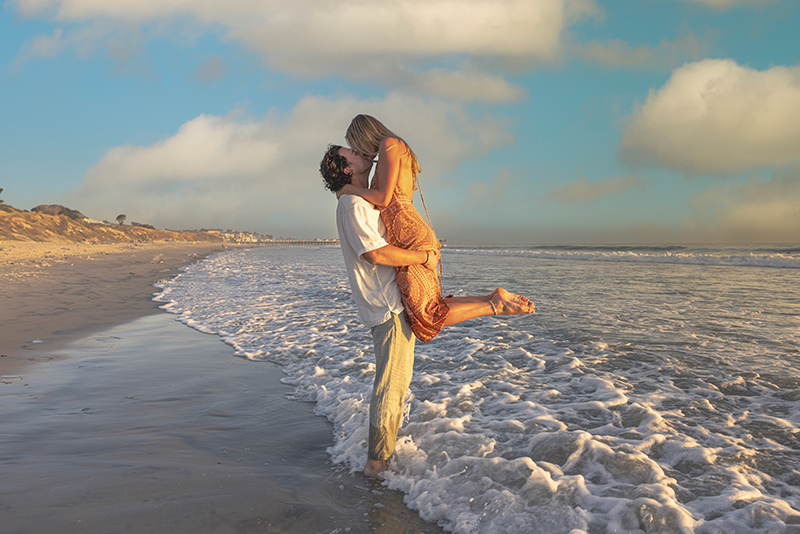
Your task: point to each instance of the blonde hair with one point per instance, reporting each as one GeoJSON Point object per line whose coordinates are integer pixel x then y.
{"type": "Point", "coordinates": [364, 135]}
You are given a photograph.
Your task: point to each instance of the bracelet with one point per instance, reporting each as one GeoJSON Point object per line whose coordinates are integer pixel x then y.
{"type": "Point", "coordinates": [493, 308]}
{"type": "Point", "coordinates": [427, 257]}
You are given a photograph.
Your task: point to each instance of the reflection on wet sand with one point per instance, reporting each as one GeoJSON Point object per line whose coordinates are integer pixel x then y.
{"type": "Point", "coordinates": [154, 427]}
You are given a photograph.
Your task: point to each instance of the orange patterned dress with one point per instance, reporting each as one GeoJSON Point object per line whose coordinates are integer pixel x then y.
{"type": "Point", "coordinates": [419, 287]}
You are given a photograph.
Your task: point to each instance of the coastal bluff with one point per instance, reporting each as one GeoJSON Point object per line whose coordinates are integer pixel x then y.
{"type": "Point", "coordinates": [65, 225]}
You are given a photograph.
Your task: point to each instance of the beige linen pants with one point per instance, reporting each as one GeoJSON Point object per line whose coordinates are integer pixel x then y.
{"type": "Point", "coordinates": [394, 365]}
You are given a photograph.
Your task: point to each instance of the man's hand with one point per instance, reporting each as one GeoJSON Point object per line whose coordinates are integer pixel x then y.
{"type": "Point", "coordinates": [432, 260]}
{"type": "Point", "coordinates": [392, 256]}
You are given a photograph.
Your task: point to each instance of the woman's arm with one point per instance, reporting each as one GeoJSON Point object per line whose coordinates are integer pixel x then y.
{"type": "Point", "coordinates": [388, 172]}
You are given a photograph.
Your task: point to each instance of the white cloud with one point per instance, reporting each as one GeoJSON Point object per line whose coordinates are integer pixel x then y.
{"type": "Point", "coordinates": [715, 116]}
{"type": "Point", "coordinates": [465, 85]}
{"type": "Point", "coordinates": [766, 211]}
{"type": "Point", "coordinates": [121, 44]}
{"type": "Point", "coordinates": [583, 191]}
{"type": "Point", "coordinates": [724, 4]}
{"type": "Point", "coordinates": [360, 39]}
{"type": "Point", "coordinates": [261, 173]}
{"type": "Point", "coordinates": [40, 47]}
{"type": "Point", "coordinates": [46, 47]}
{"type": "Point", "coordinates": [666, 55]}
{"type": "Point", "coordinates": [206, 148]}
{"type": "Point", "coordinates": [211, 70]}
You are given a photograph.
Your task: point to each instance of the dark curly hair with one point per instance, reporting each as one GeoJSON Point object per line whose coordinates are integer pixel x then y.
{"type": "Point", "coordinates": [332, 169]}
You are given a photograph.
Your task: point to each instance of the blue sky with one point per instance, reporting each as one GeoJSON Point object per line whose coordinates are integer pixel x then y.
{"type": "Point", "coordinates": [535, 121]}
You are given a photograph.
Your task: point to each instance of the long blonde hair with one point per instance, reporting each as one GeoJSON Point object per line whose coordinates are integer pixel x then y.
{"type": "Point", "coordinates": [364, 135]}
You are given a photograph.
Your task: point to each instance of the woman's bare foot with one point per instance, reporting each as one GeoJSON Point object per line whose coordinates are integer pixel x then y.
{"type": "Point", "coordinates": [376, 468]}
{"type": "Point", "coordinates": [510, 303]}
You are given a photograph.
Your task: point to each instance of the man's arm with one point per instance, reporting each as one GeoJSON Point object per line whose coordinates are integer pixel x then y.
{"type": "Point", "coordinates": [393, 256]}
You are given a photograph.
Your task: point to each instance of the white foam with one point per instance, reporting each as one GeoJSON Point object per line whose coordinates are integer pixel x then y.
{"type": "Point", "coordinates": [530, 424]}
{"type": "Point", "coordinates": [686, 256]}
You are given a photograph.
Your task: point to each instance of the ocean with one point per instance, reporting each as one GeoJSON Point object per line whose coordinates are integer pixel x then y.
{"type": "Point", "coordinates": [656, 389]}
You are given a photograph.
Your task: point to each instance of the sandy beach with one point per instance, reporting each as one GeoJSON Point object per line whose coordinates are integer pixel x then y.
{"type": "Point", "coordinates": [119, 419]}
{"type": "Point", "coordinates": [52, 293]}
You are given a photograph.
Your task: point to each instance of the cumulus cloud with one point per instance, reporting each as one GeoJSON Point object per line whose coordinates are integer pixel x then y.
{"type": "Point", "coordinates": [715, 116]}
{"type": "Point", "coordinates": [361, 38]}
{"type": "Point", "coordinates": [666, 55]}
{"type": "Point", "coordinates": [260, 173]}
{"type": "Point", "coordinates": [583, 191]}
{"type": "Point", "coordinates": [758, 210]}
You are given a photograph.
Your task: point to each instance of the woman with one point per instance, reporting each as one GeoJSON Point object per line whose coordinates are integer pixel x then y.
{"type": "Point", "coordinates": [392, 191]}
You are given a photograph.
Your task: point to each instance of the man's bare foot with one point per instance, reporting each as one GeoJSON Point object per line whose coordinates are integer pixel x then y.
{"type": "Point", "coordinates": [376, 468]}
{"type": "Point", "coordinates": [510, 303]}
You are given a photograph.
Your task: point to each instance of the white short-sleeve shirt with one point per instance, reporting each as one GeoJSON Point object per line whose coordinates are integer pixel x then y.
{"type": "Point", "coordinates": [374, 287]}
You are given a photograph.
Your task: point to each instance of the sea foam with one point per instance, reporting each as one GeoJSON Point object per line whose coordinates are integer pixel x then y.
{"type": "Point", "coordinates": [627, 415]}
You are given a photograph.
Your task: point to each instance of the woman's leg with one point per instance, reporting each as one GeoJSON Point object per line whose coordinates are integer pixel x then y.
{"type": "Point", "coordinates": [465, 308]}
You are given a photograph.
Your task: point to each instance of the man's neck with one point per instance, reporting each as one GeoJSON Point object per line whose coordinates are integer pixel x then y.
{"type": "Point", "coordinates": [360, 180]}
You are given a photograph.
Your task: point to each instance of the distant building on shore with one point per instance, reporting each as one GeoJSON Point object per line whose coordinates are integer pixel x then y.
{"type": "Point", "coordinates": [231, 236]}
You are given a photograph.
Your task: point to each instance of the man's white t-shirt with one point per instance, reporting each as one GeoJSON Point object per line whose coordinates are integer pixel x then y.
{"type": "Point", "coordinates": [374, 287]}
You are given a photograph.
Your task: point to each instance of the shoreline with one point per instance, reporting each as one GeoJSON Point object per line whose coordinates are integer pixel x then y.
{"type": "Point", "coordinates": [57, 292]}
{"type": "Point", "coordinates": [121, 418]}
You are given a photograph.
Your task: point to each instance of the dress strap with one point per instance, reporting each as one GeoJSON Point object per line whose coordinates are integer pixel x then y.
{"type": "Point", "coordinates": [418, 188]}
{"type": "Point", "coordinates": [394, 145]}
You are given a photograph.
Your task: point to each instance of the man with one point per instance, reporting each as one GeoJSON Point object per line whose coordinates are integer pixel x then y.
{"type": "Point", "coordinates": [369, 260]}
{"type": "Point", "coordinates": [370, 263]}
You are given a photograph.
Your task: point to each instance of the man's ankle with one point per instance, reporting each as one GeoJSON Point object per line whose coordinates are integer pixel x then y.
{"type": "Point", "coordinates": [374, 468]}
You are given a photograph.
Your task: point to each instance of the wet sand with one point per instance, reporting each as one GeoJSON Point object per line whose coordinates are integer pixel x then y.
{"type": "Point", "coordinates": [150, 426]}
{"type": "Point", "coordinates": [52, 293]}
